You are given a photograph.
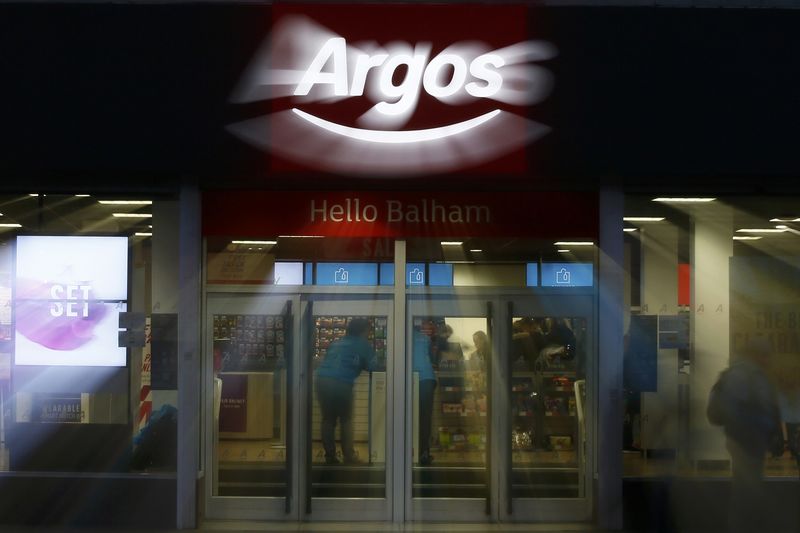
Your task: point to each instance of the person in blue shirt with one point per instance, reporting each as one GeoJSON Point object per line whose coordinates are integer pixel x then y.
{"type": "Point", "coordinates": [421, 361]}
{"type": "Point", "coordinates": [342, 364]}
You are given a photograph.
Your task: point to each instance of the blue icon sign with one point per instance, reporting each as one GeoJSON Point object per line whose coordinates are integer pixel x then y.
{"type": "Point", "coordinates": [567, 275]}
{"type": "Point", "coordinates": [341, 274]}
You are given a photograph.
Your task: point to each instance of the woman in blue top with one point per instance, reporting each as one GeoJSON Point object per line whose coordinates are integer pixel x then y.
{"type": "Point", "coordinates": [342, 364]}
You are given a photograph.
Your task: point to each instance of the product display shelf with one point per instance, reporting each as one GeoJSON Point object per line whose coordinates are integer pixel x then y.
{"type": "Point", "coordinates": [544, 416]}
{"type": "Point", "coordinates": [459, 415]}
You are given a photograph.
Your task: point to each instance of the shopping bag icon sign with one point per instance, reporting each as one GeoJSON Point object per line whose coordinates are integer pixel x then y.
{"type": "Point", "coordinates": [563, 277]}
{"type": "Point", "coordinates": [341, 276]}
{"type": "Point", "coordinates": [416, 277]}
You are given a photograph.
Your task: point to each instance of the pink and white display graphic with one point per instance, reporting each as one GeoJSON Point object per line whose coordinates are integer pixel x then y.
{"type": "Point", "coordinates": [68, 296]}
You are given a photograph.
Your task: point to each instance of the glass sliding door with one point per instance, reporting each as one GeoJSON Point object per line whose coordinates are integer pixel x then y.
{"type": "Point", "coordinates": [346, 388]}
{"type": "Point", "coordinates": [449, 351]}
{"type": "Point", "coordinates": [251, 342]}
{"type": "Point", "coordinates": [548, 364]}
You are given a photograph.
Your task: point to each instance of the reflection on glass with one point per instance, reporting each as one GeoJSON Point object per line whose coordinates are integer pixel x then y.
{"type": "Point", "coordinates": [250, 398]}
{"type": "Point", "coordinates": [547, 360]}
{"type": "Point", "coordinates": [449, 357]}
{"type": "Point", "coordinates": [349, 400]}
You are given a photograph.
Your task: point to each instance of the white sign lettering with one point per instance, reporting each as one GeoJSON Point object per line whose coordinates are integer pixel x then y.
{"type": "Point", "coordinates": [395, 211]}
{"type": "Point", "coordinates": [74, 300]}
{"type": "Point", "coordinates": [323, 68]}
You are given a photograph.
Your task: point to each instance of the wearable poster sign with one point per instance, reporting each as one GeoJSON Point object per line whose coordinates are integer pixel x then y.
{"type": "Point", "coordinates": [397, 90]}
{"type": "Point", "coordinates": [69, 293]}
{"type": "Point", "coordinates": [361, 214]}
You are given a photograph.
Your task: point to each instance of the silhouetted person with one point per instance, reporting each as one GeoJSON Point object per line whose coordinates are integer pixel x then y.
{"type": "Point", "coordinates": [421, 359]}
{"type": "Point", "coordinates": [343, 362]}
{"type": "Point", "coordinates": [483, 349]}
{"type": "Point", "coordinates": [743, 402]}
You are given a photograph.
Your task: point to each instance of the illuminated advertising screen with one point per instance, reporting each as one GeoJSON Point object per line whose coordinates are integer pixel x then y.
{"type": "Point", "coordinates": [68, 295]}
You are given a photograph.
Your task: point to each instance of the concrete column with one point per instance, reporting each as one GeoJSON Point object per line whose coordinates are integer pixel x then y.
{"type": "Point", "coordinates": [711, 249]}
{"type": "Point", "coordinates": [660, 297]}
{"type": "Point", "coordinates": [189, 350]}
{"type": "Point", "coordinates": [165, 288]}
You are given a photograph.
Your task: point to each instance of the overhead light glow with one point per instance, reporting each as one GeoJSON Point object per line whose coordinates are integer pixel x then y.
{"type": "Point", "coordinates": [760, 230]}
{"type": "Point", "coordinates": [642, 219]}
{"type": "Point", "coordinates": [784, 220]}
{"type": "Point", "coordinates": [300, 237]}
{"type": "Point", "coordinates": [125, 202]}
{"type": "Point", "coordinates": [746, 238]}
{"type": "Point", "coordinates": [684, 200]}
{"type": "Point", "coordinates": [82, 195]}
{"type": "Point", "coordinates": [563, 251]}
{"type": "Point", "coordinates": [452, 243]}
{"type": "Point", "coordinates": [143, 234]}
{"type": "Point", "coordinates": [782, 226]}
{"type": "Point", "coordinates": [265, 243]}
{"type": "Point", "coordinates": [132, 215]}
{"type": "Point", "coordinates": [10, 225]}
{"type": "Point", "coordinates": [574, 243]}
{"type": "Point", "coordinates": [476, 250]}
{"type": "Point", "coordinates": [628, 230]}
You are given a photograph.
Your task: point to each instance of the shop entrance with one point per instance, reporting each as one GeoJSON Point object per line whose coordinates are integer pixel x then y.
{"type": "Point", "coordinates": [503, 436]}
{"type": "Point", "coordinates": [265, 445]}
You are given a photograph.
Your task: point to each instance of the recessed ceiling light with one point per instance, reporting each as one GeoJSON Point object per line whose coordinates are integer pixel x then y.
{"type": "Point", "coordinates": [684, 200]}
{"type": "Point", "coordinates": [10, 225]}
{"type": "Point", "coordinates": [563, 251]}
{"type": "Point", "coordinates": [125, 202]}
{"type": "Point", "coordinates": [264, 243]}
{"type": "Point", "coordinates": [760, 230]}
{"type": "Point", "coordinates": [82, 195]}
{"type": "Point", "coordinates": [628, 230]}
{"type": "Point", "coordinates": [784, 220]}
{"type": "Point", "coordinates": [476, 250]}
{"type": "Point", "coordinates": [132, 215]}
{"type": "Point", "coordinates": [143, 234]}
{"type": "Point", "coordinates": [452, 243]}
{"type": "Point", "coordinates": [574, 243]}
{"type": "Point", "coordinates": [746, 238]}
{"type": "Point", "coordinates": [642, 219]}
{"type": "Point", "coordinates": [782, 226]}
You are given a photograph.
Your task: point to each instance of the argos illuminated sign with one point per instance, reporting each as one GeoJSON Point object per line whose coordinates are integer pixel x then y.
{"type": "Point", "coordinates": [356, 107]}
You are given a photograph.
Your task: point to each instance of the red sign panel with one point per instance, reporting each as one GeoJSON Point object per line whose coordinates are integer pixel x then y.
{"type": "Point", "coordinates": [397, 90]}
{"type": "Point", "coordinates": [400, 214]}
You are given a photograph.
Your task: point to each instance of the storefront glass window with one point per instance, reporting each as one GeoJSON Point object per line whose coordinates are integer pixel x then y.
{"type": "Point", "coordinates": [279, 306]}
{"type": "Point", "coordinates": [502, 345]}
{"type": "Point", "coordinates": [712, 290]}
{"type": "Point", "coordinates": [88, 315]}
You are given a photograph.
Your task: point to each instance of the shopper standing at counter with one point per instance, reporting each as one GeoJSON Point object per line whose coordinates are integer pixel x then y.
{"type": "Point", "coordinates": [342, 364]}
